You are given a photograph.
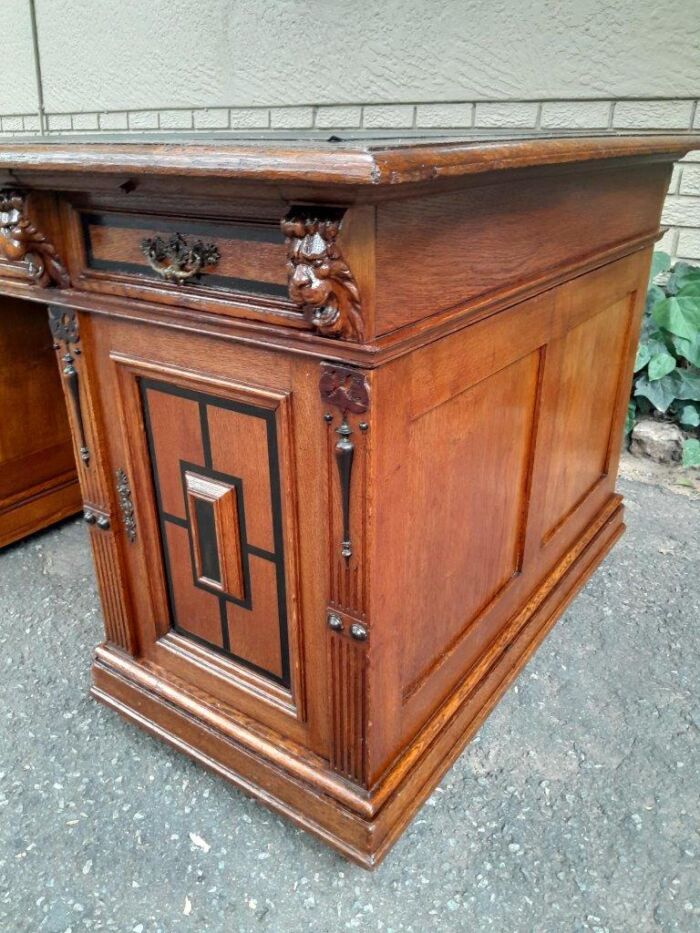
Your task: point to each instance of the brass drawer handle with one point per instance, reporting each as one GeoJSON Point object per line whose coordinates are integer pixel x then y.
{"type": "Point", "coordinates": [176, 260]}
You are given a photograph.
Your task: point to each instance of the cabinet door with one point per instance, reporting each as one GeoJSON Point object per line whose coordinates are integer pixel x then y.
{"type": "Point", "coordinates": [202, 446]}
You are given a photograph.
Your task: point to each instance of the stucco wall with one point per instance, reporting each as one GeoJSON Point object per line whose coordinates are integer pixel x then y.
{"type": "Point", "coordinates": [80, 66]}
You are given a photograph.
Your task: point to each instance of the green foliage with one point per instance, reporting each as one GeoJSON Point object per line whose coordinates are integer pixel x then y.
{"type": "Point", "coordinates": [667, 366]}
{"type": "Point", "coordinates": [691, 452]}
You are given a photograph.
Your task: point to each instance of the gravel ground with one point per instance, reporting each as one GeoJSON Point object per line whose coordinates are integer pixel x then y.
{"type": "Point", "coordinates": [575, 808]}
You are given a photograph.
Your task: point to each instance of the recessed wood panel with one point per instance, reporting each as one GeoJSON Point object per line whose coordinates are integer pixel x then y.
{"type": "Point", "coordinates": [588, 358]}
{"type": "Point", "coordinates": [248, 628]}
{"type": "Point", "coordinates": [175, 429]}
{"type": "Point", "coordinates": [239, 439]}
{"type": "Point", "coordinates": [224, 589]}
{"type": "Point", "coordinates": [465, 508]}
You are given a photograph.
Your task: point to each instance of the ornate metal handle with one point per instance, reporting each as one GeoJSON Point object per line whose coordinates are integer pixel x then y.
{"type": "Point", "coordinates": [125, 504]}
{"type": "Point", "coordinates": [176, 260]}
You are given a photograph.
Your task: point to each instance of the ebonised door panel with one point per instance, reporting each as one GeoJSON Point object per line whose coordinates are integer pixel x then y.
{"type": "Point", "coordinates": [217, 485]}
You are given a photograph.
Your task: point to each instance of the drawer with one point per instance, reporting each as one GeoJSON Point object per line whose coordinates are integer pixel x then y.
{"type": "Point", "coordinates": [235, 266]}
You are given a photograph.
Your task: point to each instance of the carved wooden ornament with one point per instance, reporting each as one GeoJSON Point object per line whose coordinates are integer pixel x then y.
{"type": "Point", "coordinates": [63, 323]}
{"type": "Point", "coordinates": [345, 389]}
{"type": "Point", "coordinates": [21, 241]}
{"type": "Point", "coordinates": [320, 281]}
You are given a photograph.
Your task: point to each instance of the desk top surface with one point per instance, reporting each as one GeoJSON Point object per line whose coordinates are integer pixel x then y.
{"type": "Point", "coordinates": [348, 159]}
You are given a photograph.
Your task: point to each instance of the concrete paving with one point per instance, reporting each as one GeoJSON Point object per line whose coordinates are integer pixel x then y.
{"type": "Point", "coordinates": [576, 808]}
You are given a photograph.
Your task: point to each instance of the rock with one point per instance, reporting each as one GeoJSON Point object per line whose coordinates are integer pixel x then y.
{"type": "Point", "coordinates": [661, 441]}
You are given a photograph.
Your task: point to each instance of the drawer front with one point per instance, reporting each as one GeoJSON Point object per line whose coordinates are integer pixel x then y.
{"type": "Point", "coordinates": [191, 262]}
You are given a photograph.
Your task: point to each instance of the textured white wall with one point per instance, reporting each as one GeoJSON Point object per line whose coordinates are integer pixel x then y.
{"type": "Point", "coordinates": [281, 65]}
{"type": "Point", "coordinates": [145, 54]}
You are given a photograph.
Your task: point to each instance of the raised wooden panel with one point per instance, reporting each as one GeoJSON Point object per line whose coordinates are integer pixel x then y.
{"type": "Point", "coordinates": [582, 420]}
{"type": "Point", "coordinates": [466, 505]}
{"type": "Point", "coordinates": [225, 591]}
{"type": "Point", "coordinates": [249, 627]}
{"type": "Point", "coordinates": [231, 432]}
{"type": "Point", "coordinates": [213, 514]}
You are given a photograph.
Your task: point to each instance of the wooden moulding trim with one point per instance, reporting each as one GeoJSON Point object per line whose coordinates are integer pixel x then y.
{"type": "Point", "coordinates": [271, 336]}
{"type": "Point", "coordinates": [343, 165]}
{"type": "Point", "coordinates": [363, 837]}
{"type": "Point", "coordinates": [419, 164]}
{"type": "Point", "coordinates": [56, 484]}
{"type": "Point", "coordinates": [59, 502]}
{"type": "Point", "coordinates": [250, 735]}
{"type": "Point", "coordinates": [253, 789]}
{"type": "Point", "coordinates": [300, 765]}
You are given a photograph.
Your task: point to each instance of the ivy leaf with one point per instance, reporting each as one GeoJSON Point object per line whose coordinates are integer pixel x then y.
{"type": "Point", "coordinates": [660, 393]}
{"type": "Point", "coordinates": [660, 262]}
{"type": "Point", "coordinates": [690, 290]}
{"type": "Point", "coordinates": [660, 365]}
{"type": "Point", "coordinates": [643, 357]}
{"type": "Point", "coordinates": [683, 273]}
{"type": "Point", "coordinates": [679, 316]}
{"type": "Point", "coordinates": [691, 452]}
{"type": "Point", "coordinates": [686, 383]}
{"type": "Point", "coordinates": [688, 349]}
{"type": "Point", "coordinates": [630, 417]}
{"type": "Point", "coordinates": [689, 415]}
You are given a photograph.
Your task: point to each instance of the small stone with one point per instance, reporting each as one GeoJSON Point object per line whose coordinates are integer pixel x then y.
{"type": "Point", "coordinates": [658, 440]}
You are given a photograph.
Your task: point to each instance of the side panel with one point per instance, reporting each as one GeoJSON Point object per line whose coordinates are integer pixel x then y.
{"type": "Point", "coordinates": [38, 482]}
{"type": "Point", "coordinates": [499, 457]}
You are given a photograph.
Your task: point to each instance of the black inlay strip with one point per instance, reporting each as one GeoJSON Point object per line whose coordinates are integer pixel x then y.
{"type": "Point", "coordinates": [206, 440]}
{"type": "Point", "coordinates": [261, 552]}
{"type": "Point", "coordinates": [226, 644]}
{"type": "Point", "coordinates": [277, 557]}
{"type": "Point", "coordinates": [275, 496]}
{"type": "Point", "coordinates": [148, 425]}
{"type": "Point", "coordinates": [175, 520]}
{"type": "Point", "coordinates": [229, 654]}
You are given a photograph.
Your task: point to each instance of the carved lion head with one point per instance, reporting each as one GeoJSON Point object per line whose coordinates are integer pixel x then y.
{"type": "Point", "coordinates": [319, 279]}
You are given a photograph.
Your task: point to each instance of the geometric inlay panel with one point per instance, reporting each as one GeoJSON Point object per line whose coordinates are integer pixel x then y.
{"type": "Point", "coordinates": [216, 477]}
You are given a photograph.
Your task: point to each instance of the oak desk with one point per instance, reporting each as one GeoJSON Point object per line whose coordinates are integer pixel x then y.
{"type": "Point", "coordinates": [347, 417]}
